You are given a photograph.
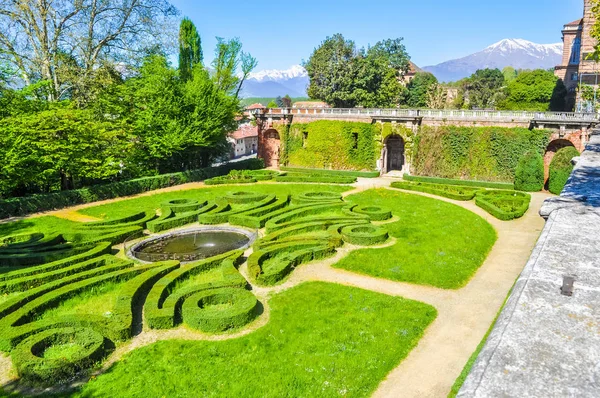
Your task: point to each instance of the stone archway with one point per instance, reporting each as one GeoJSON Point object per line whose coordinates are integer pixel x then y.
{"type": "Point", "coordinates": [553, 147]}
{"type": "Point", "coordinates": [393, 155]}
{"type": "Point", "coordinates": [271, 148]}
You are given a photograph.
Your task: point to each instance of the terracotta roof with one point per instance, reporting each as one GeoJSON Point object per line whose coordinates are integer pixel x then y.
{"type": "Point", "coordinates": [310, 104]}
{"type": "Point", "coordinates": [575, 23]}
{"type": "Point", "coordinates": [245, 131]}
{"type": "Point", "coordinates": [256, 106]}
{"type": "Point", "coordinates": [413, 68]}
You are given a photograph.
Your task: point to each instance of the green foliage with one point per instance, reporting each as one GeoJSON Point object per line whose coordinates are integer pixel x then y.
{"type": "Point", "coordinates": [561, 168]}
{"type": "Point", "coordinates": [272, 105]}
{"type": "Point", "coordinates": [510, 74]}
{"type": "Point", "coordinates": [32, 204]}
{"type": "Point", "coordinates": [364, 235]}
{"type": "Point", "coordinates": [345, 77]}
{"type": "Point", "coordinates": [504, 205]}
{"type": "Point", "coordinates": [375, 213]}
{"type": "Point", "coordinates": [447, 191]}
{"type": "Point", "coordinates": [474, 153]}
{"type": "Point", "coordinates": [468, 183]}
{"type": "Point", "coordinates": [418, 89]}
{"type": "Point", "coordinates": [529, 174]}
{"type": "Point", "coordinates": [321, 179]}
{"type": "Point", "coordinates": [536, 90]}
{"type": "Point", "coordinates": [334, 145]}
{"type": "Point", "coordinates": [485, 88]}
{"type": "Point", "coordinates": [331, 173]}
{"type": "Point", "coordinates": [190, 49]}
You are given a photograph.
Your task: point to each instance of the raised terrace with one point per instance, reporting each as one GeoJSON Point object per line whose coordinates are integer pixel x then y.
{"type": "Point", "coordinates": [546, 342]}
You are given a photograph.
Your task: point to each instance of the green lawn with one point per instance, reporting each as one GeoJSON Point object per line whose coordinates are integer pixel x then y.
{"type": "Point", "coordinates": [438, 244]}
{"type": "Point", "coordinates": [322, 340]}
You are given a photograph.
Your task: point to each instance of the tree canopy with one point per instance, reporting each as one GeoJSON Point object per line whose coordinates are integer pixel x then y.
{"type": "Point", "coordinates": [535, 90]}
{"type": "Point", "coordinates": [345, 76]}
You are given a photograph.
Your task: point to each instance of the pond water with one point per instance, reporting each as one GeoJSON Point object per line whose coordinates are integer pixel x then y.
{"type": "Point", "coordinates": [191, 246]}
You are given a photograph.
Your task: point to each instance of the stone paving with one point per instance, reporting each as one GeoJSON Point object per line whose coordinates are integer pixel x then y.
{"type": "Point", "coordinates": [545, 343]}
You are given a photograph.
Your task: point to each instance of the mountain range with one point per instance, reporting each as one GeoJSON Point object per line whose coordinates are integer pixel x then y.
{"type": "Point", "coordinates": [518, 53]}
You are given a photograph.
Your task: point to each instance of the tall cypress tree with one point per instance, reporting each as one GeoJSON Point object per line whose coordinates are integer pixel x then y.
{"type": "Point", "coordinates": [190, 49]}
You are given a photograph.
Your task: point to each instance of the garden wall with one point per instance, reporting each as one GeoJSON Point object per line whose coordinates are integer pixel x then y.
{"type": "Point", "coordinates": [475, 153]}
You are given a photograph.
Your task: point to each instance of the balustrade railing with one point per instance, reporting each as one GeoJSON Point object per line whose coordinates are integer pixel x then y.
{"type": "Point", "coordinates": [438, 114]}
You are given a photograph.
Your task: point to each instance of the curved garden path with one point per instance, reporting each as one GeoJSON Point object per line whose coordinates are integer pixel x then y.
{"type": "Point", "coordinates": [464, 315]}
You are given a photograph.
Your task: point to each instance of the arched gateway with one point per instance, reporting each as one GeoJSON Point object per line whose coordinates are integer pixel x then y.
{"type": "Point", "coordinates": [393, 154]}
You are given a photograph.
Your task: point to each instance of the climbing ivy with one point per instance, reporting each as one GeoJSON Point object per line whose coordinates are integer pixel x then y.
{"type": "Point", "coordinates": [329, 144]}
{"type": "Point", "coordinates": [482, 153]}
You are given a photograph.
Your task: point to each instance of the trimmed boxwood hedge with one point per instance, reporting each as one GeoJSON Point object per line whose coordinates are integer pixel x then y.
{"type": "Point", "coordinates": [290, 216]}
{"type": "Point", "coordinates": [364, 235]}
{"type": "Point", "coordinates": [198, 314]}
{"type": "Point", "coordinates": [504, 205]}
{"type": "Point", "coordinates": [448, 191]}
{"type": "Point", "coordinates": [467, 183]}
{"type": "Point", "coordinates": [305, 178]}
{"type": "Point", "coordinates": [241, 197]}
{"type": "Point", "coordinates": [316, 197]}
{"type": "Point", "coordinates": [375, 213]}
{"type": "Point", "coordinates": [333, 173]}
{"type": "Point", "coordinates": [257, 218]}
{"type": "Point", "coordinates": [22, 206]}
{"type": "Point", "coordinates": [561, 168]}
{"type": "Point", "coordinates": [226, 180]}
{"type": "Point", "coordinates": [31, 365]}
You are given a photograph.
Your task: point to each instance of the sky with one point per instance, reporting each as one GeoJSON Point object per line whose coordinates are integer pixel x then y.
{"type": "Point", "coordinates": [282, 34]}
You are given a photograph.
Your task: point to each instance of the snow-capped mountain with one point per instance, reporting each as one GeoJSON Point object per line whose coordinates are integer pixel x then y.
{"type": "Point", "coordinates": [274, 82]}
{"type": "Point", "coordinates": [518, 53]}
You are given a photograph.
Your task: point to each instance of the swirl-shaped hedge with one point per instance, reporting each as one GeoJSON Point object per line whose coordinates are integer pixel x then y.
{"type": "Point", "coordinates": [365, 235]}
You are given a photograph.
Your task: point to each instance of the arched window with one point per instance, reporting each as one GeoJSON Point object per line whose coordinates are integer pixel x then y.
{"type": "Point", "coordinates": [575, 51]}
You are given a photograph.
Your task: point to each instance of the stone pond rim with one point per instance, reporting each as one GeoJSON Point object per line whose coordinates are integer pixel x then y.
{"type": "Point", "coordinates": [191, 244]}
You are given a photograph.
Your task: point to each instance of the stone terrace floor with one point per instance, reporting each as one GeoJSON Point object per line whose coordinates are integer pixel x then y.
{"type": "Point", "coordinates": [546, 344]}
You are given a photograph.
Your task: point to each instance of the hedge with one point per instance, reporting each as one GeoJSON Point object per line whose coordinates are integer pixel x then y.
{"type": "Point", "coordinates": [228, 181]}
{"type": "Point", "coordinates": [170, 219]}
{"type": "Point", "coordinates": [316, 197]}
{"type": "Point", "coordinates": [375, 213]}
{"type": "Point", "coordinates": [198, 314]}
{"type": "Point", "coordinates": [333, 173]}
{"type": "Point", "coordinates": [214, 218]}
{"type": "Point", "coordinates": [257, 218]}
{"type": "Point", "coordinates": [364, 235]}
{"type": "Point", "coordinates": [22, 206]}
{"type": "Point", "coordinates": [183, 205]}
{"type": "Point", "coordinates": [54, 253]}
{"type": "Point", "coordinates": [305, 178]}
{"type": "Point", "coordinates": [474, 153]}
{"type": "Point", "coordinates": [447, 191]}
{"type": "Point", "coordinates": [504, 205]}
{"type": "Point", "coordinates": [279, 268]}
{"type": "Point", "coordinates": [288, 217]}
{"type": "Point", "coordinates": [561, 168]}
{"type": "Point", "coordinates": [467, 183]}
{"type": "Point", "coordinates": [32, 367]}
{"type": "Point", "coordinates": [156, 314]}
{"type": "Point", "coordinates": [96, 250]}
{"type": "Point", "coordinates": [45, 243]}
{"type": "Point", "coordinates": [529, 176]}
{"type": "Point", "coordinates": [241, 197]}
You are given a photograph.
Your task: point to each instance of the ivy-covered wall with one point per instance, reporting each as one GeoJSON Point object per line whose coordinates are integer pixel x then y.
{"type": "Point", "coordinates": [479, 153]}
{"type": "Point", "coordinates": [407, 134]}
{"type": "Point", "coordinates": [331, 144]}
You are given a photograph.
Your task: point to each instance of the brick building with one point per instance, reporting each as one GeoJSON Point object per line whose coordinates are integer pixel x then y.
{"type": "Point", "coordinates": [576, 68]}
{"type": "Point", "coordinates": [244, 141]}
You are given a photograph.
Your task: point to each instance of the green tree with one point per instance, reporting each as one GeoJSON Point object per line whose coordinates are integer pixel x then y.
{"type": "Point", "coordinates": [485, 88]}
{"type": "Point", "coordinates": [190, 49]}
{"type": "Point", "coordinates": [419, 88]}
{"type": "Point", "coordinates": [510, 74]}
{"type": "Point", "coordinates": [536, 90]}
{"type": "Point", "coordinates": [529, 175]}
{"type": "Point", "coordinates": [287, 101]}
{"type": "Point", "coordinates": [228, 58]}
{"type": "Point", "coordinates": [272, 105]}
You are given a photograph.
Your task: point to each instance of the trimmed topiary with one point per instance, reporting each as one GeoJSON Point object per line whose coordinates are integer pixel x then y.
{"type": "Point", "coordinates": [364, 235]}
{"type": "Point", "coordinates": [316, 197]}
{"type": "Point", "coordinates": [529, 175]}
{"type": "Point", "coordinates": [561, 168]}
{"type": "Point", "coordinates": [218, 310]}
{"type": "Point", "coordinates": [33, 367]}
{"type": "Point", "coordinates": [466, 183]}
{"type": "Point", "coordinates": [447, 191]}
{"type": "Point", "coordinates": [241, 197]}
{"type": "Point", "coordinates": [504, 205]}
{"type": "Point", "coordinates": [375, 213]}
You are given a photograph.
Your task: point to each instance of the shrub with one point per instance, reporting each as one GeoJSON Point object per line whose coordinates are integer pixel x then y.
{"type": "Point", "coordinates": [240, 197]}
{"type": "Point", "coordinates": [375, 213]}
{"type": "Point", "coordinates": [364, 235]}
{"type": "Point", "coordinates": [447, 191]}
{"type": "Point", "coordinates": [257, 218]}
{"type": "Point", "coordinates": [333, 173]}
{"type": "Point", "coordinates": [31, 204]}
{"type": "Point", "coordinates": [504, 205]}
{"type": "Point", "coordinates": [315, 179]}
{"type": "Point", "coordinates": [316, 197]}
{"type": "Point", "coordinates": [467, 183]}
{"type": "Point", "coordinates": [204, 310]}
{"type": "Point", "coordinates": [529, 175]}
{"type": "Point", "coordinates": [31, 365]}
{"type": "Point", "coordinates": [222, 217]}
{"type": "Point", "coordinates": [561, 168]}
